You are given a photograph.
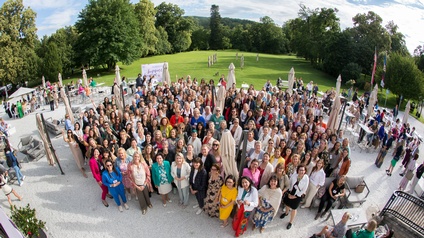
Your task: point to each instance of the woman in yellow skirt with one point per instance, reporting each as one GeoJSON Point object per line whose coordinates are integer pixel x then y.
{"type": "Point", "coordinates": [227, 198]}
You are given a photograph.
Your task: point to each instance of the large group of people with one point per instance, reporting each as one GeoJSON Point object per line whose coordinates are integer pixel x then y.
{"type": "Point", "coordinates": [169, 139]}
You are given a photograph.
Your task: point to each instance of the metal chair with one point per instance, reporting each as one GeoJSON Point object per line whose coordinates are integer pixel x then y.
{"type": "Point", "coordinates": [352, 197]}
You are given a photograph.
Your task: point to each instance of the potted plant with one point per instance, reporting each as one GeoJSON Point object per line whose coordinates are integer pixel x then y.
{"type": "Point", "coordinates": [27, 222]}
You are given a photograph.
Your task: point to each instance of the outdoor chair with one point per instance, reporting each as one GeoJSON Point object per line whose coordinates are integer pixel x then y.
{"type": "Point", "coordinates": [25, 144]}
{"type": "Point", "coordinates": [317, 198]}
{"type": "Point", "coordinates": [37, 150]}
{"type": "Point", "coordinates": [353, 197]}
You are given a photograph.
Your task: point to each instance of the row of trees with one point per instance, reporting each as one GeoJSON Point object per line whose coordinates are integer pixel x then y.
{"type": "Point", "coordinates": [111, 31]}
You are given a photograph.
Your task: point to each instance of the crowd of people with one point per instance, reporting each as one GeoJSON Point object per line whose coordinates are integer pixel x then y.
{"type": "Point", "coordinates": [168, 139]}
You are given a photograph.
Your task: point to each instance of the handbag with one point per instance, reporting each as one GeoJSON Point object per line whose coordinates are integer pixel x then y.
{"type": "Point", "coordinates": [321, 192]}
{"type": "Point", "coordinates": [409, 175]}
{"type": "Point", "coordinates": [360, 187]}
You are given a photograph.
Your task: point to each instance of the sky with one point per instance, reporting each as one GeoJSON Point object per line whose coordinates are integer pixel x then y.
{"type": "Point", "coordinates": [407, 14]}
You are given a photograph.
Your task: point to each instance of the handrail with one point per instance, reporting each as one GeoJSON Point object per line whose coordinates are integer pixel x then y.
{"type": "Point", "coordinates": [407, 208]}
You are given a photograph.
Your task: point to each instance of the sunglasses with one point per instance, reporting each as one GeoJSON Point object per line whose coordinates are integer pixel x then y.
{"type": "Point", "coordinates": [109, 165]}
{"type": "Point", "coordinates": [215, 145]}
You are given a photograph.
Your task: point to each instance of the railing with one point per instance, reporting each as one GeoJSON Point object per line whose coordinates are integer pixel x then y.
{"type": "Point", "coordinates": [407, 208]}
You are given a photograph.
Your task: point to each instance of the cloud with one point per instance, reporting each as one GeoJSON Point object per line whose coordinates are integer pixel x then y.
{"type": "Point", "coordinates": [58, 20]}
{"type": "Point", "coordinates": [48, 4]}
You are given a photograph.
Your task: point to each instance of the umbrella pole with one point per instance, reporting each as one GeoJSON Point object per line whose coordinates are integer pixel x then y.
{"type": "Point", "coordinates": [53, 151]}
{"type": "Point", "coordinates": [341, 119]}
{"type": "Point", "coordinates": [243, 152]}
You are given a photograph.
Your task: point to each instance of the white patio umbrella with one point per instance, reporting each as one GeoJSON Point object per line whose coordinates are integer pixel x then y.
{"type": "Point", "coordinates": [406, 113]}
{"type": "Point", "coordinates": [220, 97]}
{"type": "Point", "coordinates": [231, 78]}
{"type": "Point", "coordinates": [43, 80]}
{"type": "Point", "coordinates": [118, 97]}
{"type": "Point", "coordinates": [166, 78]}
{"type": "Point", "coordinates": [333, 120]}
{"type": "Point", "coordinates": [338, 84]}
{"type": "Point", "coordinates": [118, 76]}
{"type": "Point", "coordinates": [372, 101]}
{"type": "Point", "coordinates": [291, 80]}
{"type": "Point", "coordinates": [59, 77]}
{"type": "Point", "coordinates": [67, 106]}
{"type": "Point", "coordinates": [228, 154]}
{"type": "Point", "coordinates": [84, 77]}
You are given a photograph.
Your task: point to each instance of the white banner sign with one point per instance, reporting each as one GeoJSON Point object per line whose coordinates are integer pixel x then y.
{"type": "Point", "coordinates": [155, 70]}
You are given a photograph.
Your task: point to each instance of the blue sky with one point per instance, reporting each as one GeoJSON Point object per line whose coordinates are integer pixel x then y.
{"type": "Point", "coordinates": [407, 14]}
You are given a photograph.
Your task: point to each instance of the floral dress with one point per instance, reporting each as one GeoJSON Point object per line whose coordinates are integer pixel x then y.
{"type": "Point", "coordinates": [211, 204]}
{"type": "Point", "coordinates": [261, 219]}
{"type": "Point", "coordinates": [126, 180]}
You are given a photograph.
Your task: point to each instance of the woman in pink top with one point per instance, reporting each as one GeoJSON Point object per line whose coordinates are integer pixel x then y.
{"type": "Point", "coordinates": [253, 172]}
{"type": "Point", "coordinates": [97, 167]}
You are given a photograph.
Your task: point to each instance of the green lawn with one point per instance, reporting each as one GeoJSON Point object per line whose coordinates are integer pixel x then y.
{"type": "Point", "coordinates": [195, 64]}
{"type": "Point", "coordinates": [254, 72]}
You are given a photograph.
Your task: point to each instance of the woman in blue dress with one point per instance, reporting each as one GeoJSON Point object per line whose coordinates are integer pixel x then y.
{"type": "Point", "coordinates": [112, 178]}
{"type": "Point", "coordinates": [269, 201]}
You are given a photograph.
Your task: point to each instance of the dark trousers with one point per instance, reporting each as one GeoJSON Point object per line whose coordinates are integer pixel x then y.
{"type": "Point", "coordinates": [326, 198]}
{"type": "Point", "coordinates": [200, 197]}
{"type": "Point", "coordinates": [52, 105]}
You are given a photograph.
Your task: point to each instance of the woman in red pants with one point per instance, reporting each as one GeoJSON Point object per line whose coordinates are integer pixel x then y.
{"type": "Point", "coordinates": [97, 167]}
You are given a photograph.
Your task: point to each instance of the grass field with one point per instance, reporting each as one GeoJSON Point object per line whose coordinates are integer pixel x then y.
{"type": "Point", "coordinates": [254, 72]}
{"type": "Point", "coordinates": [195, 64]}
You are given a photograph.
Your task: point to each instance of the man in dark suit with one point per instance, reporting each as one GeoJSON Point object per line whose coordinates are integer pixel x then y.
{"type": "Point", "coordinates": [207, 158]}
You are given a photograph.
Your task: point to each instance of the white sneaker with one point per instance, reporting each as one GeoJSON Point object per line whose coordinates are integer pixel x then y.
{"type": "Point", "coordinates": [129, 197]}
{"type": "Point", "coordinates": [136, 197]}
{"type": "Point", "coordinates": [126, 206]}
{"type": "Point", "coordinates": [170, 201]}
{"type": "Point", "coordinates": [22, 183]}
{"type": "Point", "coordinates": [195, 206]}
{"type": "Point", "coordinates": [120, 208]}
{"type": "Point", "coordinates": [23, 178]}
{"type": "Point", "coordinates": [199, 211]}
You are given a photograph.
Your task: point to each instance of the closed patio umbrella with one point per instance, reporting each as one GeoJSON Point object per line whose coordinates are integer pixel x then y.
{"type": "Point", "coordinates": [231, 78]}
{"type": "Point", "coordinates": [228, 154]}
{"type": "Point", "coordinates": [59, 77]}
{"type": "Point", "coordinates": [333, 120]}
{"type": "Point", "coordinates": [220, 97]}
{"type": "Point", "coordinates": [166, 78]}
{"type": "Point", "coordinates": [67, 106]}
{"type": "Point", "coordinates": [406, 113]}
{"type": "Point", "coordinates": [338, 84]}
{"type": "Point", "coordinates": [118, 76]}
{"type": "Point", "coordinates": [291, 80]}
{"type": "Point", "coordinates": [372, 101]}
{"type": "Point", "coordinates": [84, 77]}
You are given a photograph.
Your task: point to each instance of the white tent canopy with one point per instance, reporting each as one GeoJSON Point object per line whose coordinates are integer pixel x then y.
{"type": "Point", "coordinates": [21, 91]}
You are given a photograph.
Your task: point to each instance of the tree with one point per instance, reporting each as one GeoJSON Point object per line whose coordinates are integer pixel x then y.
{"type": "Point", "coordinates": [52, 64]}
{"type": "Point", "coordinates": [397, 39]}
{"type": "Point", "coordinates": [169, 16]}
{"type": "Point", "coordinates": [145, 13]}
{"type": "Point", "coordinates": [65, 39]}
{"type": "Point", "coordinates": [18, 35]}
{"type": "Point", "coordinates": [108, 33]}
{"type": "Point", "coordinates": [368, 34]}
{"type": "Point", "coordinates": [200, 39]}
{"type": "Point", "coordinates": [403, 77]}
{"type": "Point", "coordinates": [271, 37]}
{"type": "Point", "coordinates": [215, 40]}
{"type": "Point", "coordinates": [162, 45]}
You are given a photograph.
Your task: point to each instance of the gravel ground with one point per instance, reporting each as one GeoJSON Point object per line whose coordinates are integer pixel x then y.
{"type": "Point", "coordinates": [71, 207]}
